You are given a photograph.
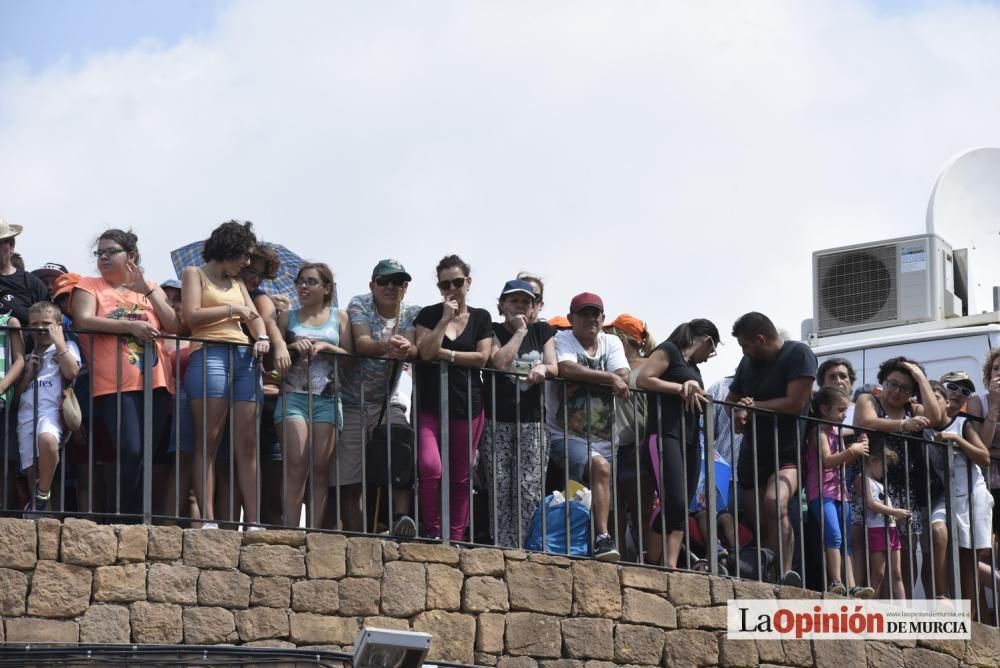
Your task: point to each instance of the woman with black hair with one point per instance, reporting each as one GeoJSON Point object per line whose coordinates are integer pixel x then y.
{"type": "Point", "coordinates": [672, 369]}
{"type": "Point", "coordinates": [901, 409]}
{"type": "Point", "coordinates": [215, 302]}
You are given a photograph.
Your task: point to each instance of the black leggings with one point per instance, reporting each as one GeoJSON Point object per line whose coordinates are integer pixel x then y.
{"type": "Point", "coordinates": [675, 496]}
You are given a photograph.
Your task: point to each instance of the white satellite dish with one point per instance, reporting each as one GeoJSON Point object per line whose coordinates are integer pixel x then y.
{"type": "Point", "coordinates": [964, 209]}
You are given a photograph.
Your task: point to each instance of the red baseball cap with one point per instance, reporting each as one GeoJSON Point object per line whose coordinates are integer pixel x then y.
{"type": "Point", "coordinates": [585, 299]}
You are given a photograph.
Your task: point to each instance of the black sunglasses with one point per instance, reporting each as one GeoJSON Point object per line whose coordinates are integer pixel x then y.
{"type": "Point", "coordinates": [396, 281]}
{"type": "Point", "coordinates": [955, 387]}
{"type": "Point", "coordinates": [453, 283]}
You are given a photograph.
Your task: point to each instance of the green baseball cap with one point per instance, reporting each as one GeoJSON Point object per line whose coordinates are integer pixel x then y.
{"type": "Point", "coordinates": [390, 268]}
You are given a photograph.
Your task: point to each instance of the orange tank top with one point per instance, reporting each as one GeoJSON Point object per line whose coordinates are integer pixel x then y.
{"type": "Point", "coordinates": [227, 329]}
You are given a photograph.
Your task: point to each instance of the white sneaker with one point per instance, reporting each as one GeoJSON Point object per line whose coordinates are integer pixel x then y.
{"type": "Point", "coordinates": [209, 525]}
{"type": "Point", "coordinates": [254, 528]}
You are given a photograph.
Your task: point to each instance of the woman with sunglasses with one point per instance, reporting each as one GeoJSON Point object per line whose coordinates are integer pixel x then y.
{"type": "Point", "coordinates": [672, 373]}
{"type": "Point", "coordinates": [899, 409]}
{"type": "Point", "coordinates": [215, 303]}
{"type": "Point", "coordinates": [315, 332]}
{"type": "Point", "coordinates": [462, 336]}
{"type": "Point", "coordinates": [129, 312]}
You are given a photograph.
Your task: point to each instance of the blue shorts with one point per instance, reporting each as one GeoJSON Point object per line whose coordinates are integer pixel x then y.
{"type": "Point", "coordinates": [833, 537]}
{"type": "Point", "coordinates": [296, 406]}
{"type": "Point", "coordinates": [246, 384]}
{"type": "Point", "coordinates": [576, 450]}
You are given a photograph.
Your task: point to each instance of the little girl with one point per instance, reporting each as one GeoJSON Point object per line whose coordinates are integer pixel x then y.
{"type": "Point", "coordinates": [880, 522]}
{"type": "Point", "coordinates": [833, 511]}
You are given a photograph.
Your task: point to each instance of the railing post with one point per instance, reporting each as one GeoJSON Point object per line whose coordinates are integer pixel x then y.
{"type": "Point", "coordinates": [710, 492]}
{"type": "Point", "coordinates": [445, 500]}
{"type": "Point", "coordinates": [149, 349]}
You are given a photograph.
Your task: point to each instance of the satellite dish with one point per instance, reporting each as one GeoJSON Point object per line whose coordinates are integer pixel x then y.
{"type": "Point", "coordinates": [964, 210]}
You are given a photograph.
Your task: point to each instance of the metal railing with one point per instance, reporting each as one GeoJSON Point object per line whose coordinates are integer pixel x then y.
{"type": "Point", "coordinates": [519, 496]}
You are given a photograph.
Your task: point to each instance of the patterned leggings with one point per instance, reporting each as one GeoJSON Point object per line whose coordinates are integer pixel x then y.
{"type": "Point", "coordinates": [519, 480]}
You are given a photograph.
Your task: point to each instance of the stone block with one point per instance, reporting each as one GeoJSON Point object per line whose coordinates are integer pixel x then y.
{"type": "Point", "coordinates": [364, 557]}
{"type": "Point", "coordinates": [13, 592]}
{"type": "Point", "coordinates": [105, 624]}
{"type": "Point", "coordinates": [156, 623]}
{"type": "Point", "coordinates": [516, 662]}
{"type": "Point", "coordinates": [485, 594]}
{"type": "Point", "coordinates": [307, 628]}
{"type": "Point", "coordinates": [19, 539]}
{"type": "Point", "coordinates": [319, 596]}
{"type": "Point", "coordinates": [712, 617]}
{"type": "Point", "coordinates": [589, 638]}
{"type": "Point", "coordinates": [224, 589]}
{"type": "Point", "coordinates": [644, 608]}
{"type": "Point", "coordinates": [359, 596]}
{"type": "Point", "coordinates": [549, 559]}
{"type": "Point", "coordinates": [955, 648]}
{"type": "Point", "coordinates": [722, 590]}
{"type": "Point", "coordinates": [165, 543]}
{"type": "Point", "coordinates": [838, 653]}
{"type": "Point", "coordinates": [404, 588]}
{"type": "Point", "coordinates": [741, 653]}
{"type": "Point", "coordinates": [393, 623]}
{"type": "Point", "coordinates": [539, 588]}
{"type": "Point", "coordinates": [797, 652]}
{"type": "Point", "coordinates": [515, 555]}
{"type": "Point", "coordinates": [326, 555]}
{"type": "Point", "coordinates": [49, 530]}
{"type": "Point", "coordinates": [133, 539]}
{"type": "Point", "coordinates": [489, 633]}
{"type": "Point", "coordinates": [744, 589]}
{"type": "Point", "coordinates": [636, 644]}
{"type": "Point", "coordinates": [273, 560]}
{"type": "Point", "coordinates": [484, 659]}
{"type": "Point", "coordinates": [166, 583]}
{"type": "Point", "coordinates": [59, 590]}
{"type": "Point", "coordinates": [120, 584]}
{"type": "Point", "coordinates": [647, 579]}
{"type": "Point", "coordinates": [261, 623]}
{"type": "Point", "coordinates": [688, 589]}
{"type": "Point", "coordinates": [454, 635]}
{"type": "Point", "coordinates": [883, 654]}
{"type": "Point", "coordinates": [45, 631]}
{"type": "Point", "coordinates": [277, 644]}
{"type": "Point", "coordinates": [444, 587]}
{"type": "Point", "coordinates": [921, 657]}
{"type": "Point", "coordinates": [429, 553]}
{"type": "Point", "coordinates": [390, 551]}
{"type": "Point", "coordinates": [209, 626]}
{"type": "Point", "coordinates": [290, 537]}
{"type": "Point", "coordinates": [482, 561]}
{"type": "Point", "coordinates": [86, 543]}
{"type": "Point", "coordinates": [562, 663]}
{"type": "Point", "coordinates": [983, 648]}
{"type": "Point", "coordinates": [532, 634]}
{"type": "Point", "coordinates": [211, 548]}
{"type": "Point", "coordinates": [271, 592]}
{"type": "Point", "coordinates": [770, 652]}
{"type": "Point", "coordinates": [597, 589]}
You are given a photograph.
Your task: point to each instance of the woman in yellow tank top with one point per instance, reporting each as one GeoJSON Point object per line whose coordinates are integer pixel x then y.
{"type": "Point", "coordinates": [215, 303]}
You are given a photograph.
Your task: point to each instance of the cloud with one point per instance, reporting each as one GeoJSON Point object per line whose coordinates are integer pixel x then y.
{"type": "Point", "coordinates": [682, 159]}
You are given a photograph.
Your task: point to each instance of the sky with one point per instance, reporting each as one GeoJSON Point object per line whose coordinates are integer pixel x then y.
{"type": "Point", "coordinates": [680, 159]}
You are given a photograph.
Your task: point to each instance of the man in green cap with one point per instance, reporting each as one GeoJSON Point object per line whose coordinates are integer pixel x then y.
{"type": "Point", "coordinates": [382, 324]}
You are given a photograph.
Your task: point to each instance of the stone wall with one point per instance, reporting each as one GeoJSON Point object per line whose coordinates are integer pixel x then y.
{"type": "Point", "coordinates": [88, 583]}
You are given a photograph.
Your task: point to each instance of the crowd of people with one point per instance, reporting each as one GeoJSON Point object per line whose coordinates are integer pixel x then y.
{"type": "Point", "coordinates": [260, 409]}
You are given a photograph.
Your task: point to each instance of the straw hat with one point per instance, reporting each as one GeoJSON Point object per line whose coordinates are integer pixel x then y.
{"type": "Point", "coordinates": [8, 231]}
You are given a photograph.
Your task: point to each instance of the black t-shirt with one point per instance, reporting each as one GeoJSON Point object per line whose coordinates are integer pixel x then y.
{"type": "Point", "coordinates": [428, 376]}
{"type": "Point", "coordinates": [530, 353]}
{"type": "Point", "coordinates": [769, 380]}
{"type": "Point", "coordinates": [672, 407]}
{"type": "Point", "coordinates": [19, 291]}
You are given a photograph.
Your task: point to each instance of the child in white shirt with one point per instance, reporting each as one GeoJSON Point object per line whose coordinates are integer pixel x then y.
{"type": "Point", "coordinates": [53, 363]}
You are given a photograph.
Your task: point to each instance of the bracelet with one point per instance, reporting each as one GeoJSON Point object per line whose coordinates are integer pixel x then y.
{"type": "Point", "coordinates": [149, 293]}
{"type": "Point", "coordinates": [452, 358]}
{"type": "Point", "coordinates": [264, 337]}
{"type": "Point", "coordinates": [230, 307]}
{"type": "Point", "coordinates": [62, 353]}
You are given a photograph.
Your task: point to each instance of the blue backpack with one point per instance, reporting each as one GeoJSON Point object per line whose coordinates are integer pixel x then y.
{"type": "Point", "coordinates": [555, 528]}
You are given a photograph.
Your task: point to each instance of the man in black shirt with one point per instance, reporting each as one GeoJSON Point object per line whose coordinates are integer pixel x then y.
{"type": "Point", "coordinates": [18, 289]}
{"type": "Point", "coordinates": [775, 375]}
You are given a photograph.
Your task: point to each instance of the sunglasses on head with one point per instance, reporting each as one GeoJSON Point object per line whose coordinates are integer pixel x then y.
{"type": "Point", "coordinates": [955, 387]}
{"type": "Point", "coordinates": [395, 281]}
{"type": "Point", "coordinates": [453, 283]}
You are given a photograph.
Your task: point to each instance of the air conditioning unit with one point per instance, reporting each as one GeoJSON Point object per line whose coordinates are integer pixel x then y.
{"type": "Point", "coordinates": [883, 284]}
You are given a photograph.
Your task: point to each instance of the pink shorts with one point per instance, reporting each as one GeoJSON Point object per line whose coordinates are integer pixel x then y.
{"type": "Point", "coordinates": [876, 539]}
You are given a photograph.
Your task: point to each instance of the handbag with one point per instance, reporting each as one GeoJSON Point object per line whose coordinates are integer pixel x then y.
{"type": "Point", "coordinates": [69, 409]}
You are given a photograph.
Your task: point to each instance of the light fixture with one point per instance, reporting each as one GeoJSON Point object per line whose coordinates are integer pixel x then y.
{"type": "Point", "coordinates": [385, 648]}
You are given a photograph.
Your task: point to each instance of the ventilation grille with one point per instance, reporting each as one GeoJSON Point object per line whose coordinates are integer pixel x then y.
{"type": "Point", "coordinates": [857, 287]}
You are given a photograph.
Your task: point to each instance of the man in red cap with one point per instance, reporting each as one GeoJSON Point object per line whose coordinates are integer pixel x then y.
{"type": "Point", "coordinates": [594, 366]}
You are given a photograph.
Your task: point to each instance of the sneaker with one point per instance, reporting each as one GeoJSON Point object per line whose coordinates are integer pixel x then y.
{"type": "Point", "coordinates": [791, 579]}
{"type": "Point", "coordinates": [404, 527]}
{"type": "Point", "coordinates": [254, 527]}
{"type": "Point", "coordinates": [837, 587]}
{"type": "Point", "coordinates": [604, 548]}
{"type": "Point", "coordinates": [34, 509]}
{"type": "Point", "coordinates": [861, 592]}
{"type": "Point", "coordinates": [209, 525]}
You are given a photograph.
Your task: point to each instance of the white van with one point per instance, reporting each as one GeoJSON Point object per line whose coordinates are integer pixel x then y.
{"type": "Point", "coordinates": [956, 344]}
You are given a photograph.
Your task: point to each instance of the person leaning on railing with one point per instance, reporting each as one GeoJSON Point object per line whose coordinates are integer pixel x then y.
{"type": "Point", "coordinates": [514, 449]}
{"type": "Point", "coordinates": [130, 313]}
{"type": "Point", "coordinates": [214, 303]}
{"type": "Point", "coordinates": [900, 409]}
{"type": "Point", "coordinates": [462, 336]}
{"type": "Point", "coordinates": [987, 406]}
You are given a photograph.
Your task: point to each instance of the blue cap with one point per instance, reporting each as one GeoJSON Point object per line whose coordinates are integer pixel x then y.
{"type": "Point", "coordinates": [510, 287]}
{"type": "Point", "coordinates": [171, 283]}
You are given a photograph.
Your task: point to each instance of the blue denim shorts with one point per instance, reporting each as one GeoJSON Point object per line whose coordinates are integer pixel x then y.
{"type": "Point", "coordinates": [296, 405]}
{"type": "Point", "coordinates": [246, 384]}
{"type": "Point", "coordinates": [578, 452]}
